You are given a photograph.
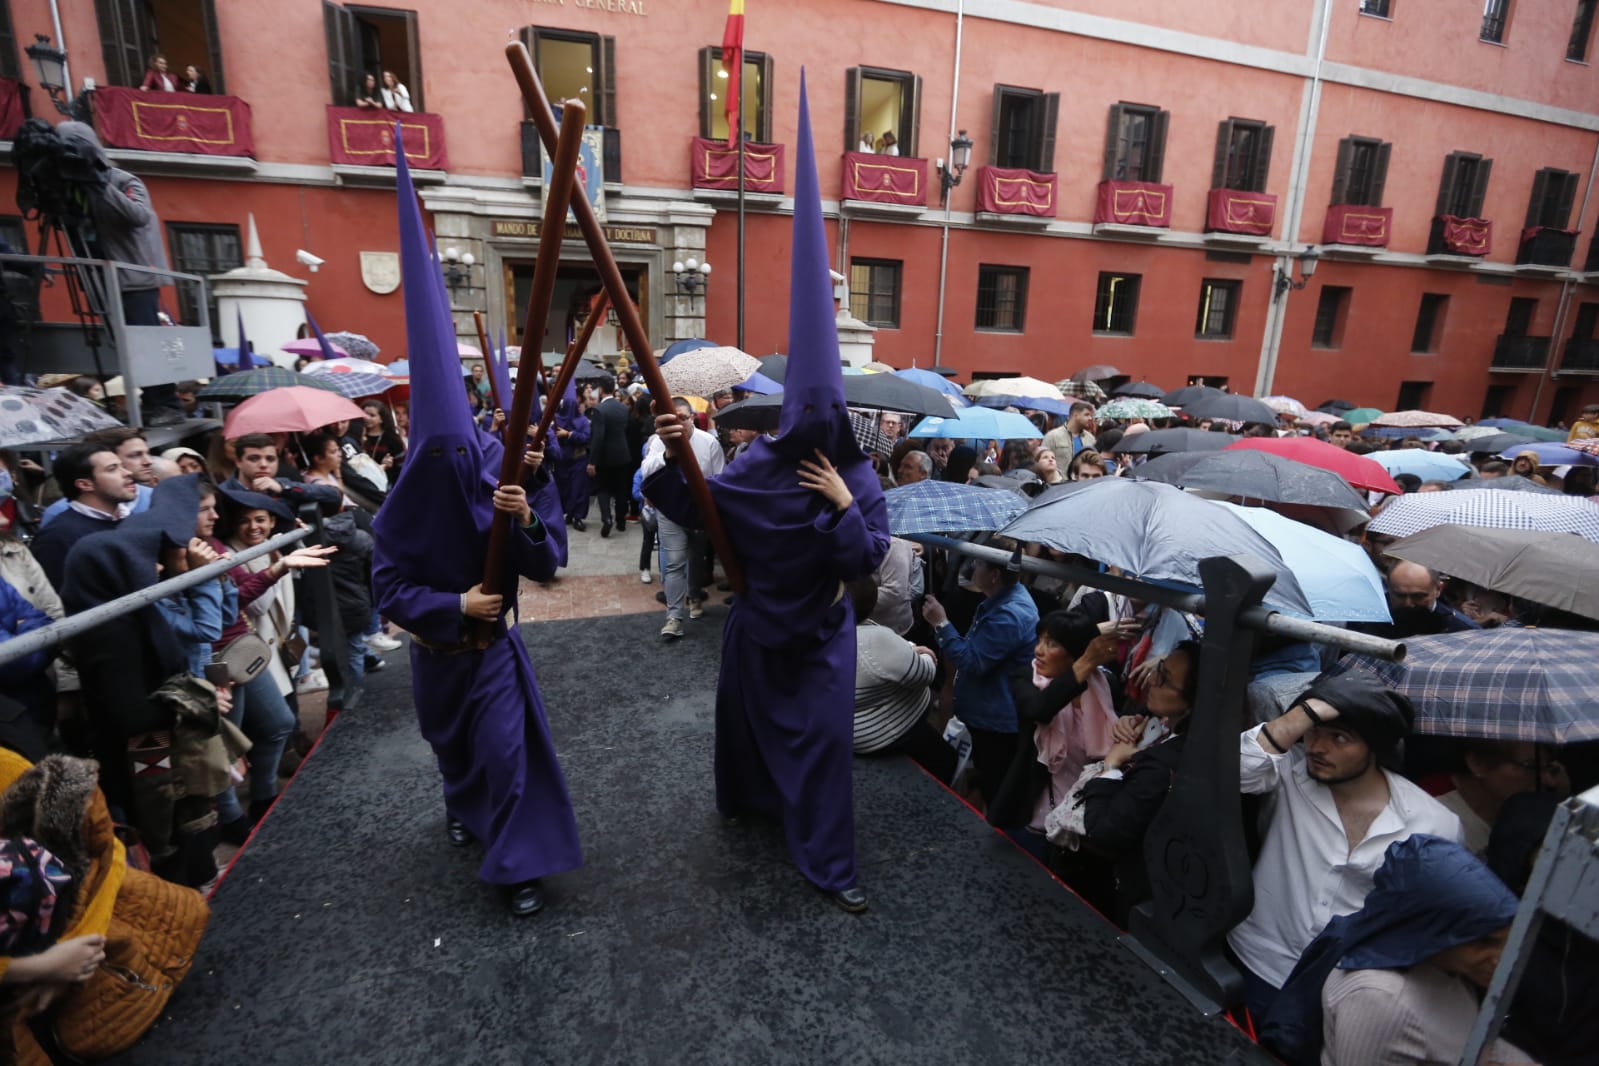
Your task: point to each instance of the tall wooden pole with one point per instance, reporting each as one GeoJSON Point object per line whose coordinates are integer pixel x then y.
{"type": "Point", "coordinates": [638, 339]}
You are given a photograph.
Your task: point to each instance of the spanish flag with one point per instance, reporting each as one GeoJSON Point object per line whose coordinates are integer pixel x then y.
{"type": "Point", "coordinates": [733, 63]}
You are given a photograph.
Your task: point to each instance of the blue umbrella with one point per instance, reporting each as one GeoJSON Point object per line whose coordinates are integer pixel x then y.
{"type": "Point", "coordinates": [1401, 432]}
{"type": "Point", "coordinates": [761, 384]}
{"type": "Point", "coordinates": [1061, 408]}
{"type": "Point", "coordinates": [677, 348]}
{"type": "Point", "coordinates": [1429, 466]}
{"type": "Point", "coordinates": [945, 507]}
{"type": "Point", "coordinates": [934, 381]}
{"type": "Point", "coordinates": [1336, 574]}
{"type": "Point", "coordinates": [1551, 454]}
{"type": "Point", "coordinates": [1154, 531]}
{"type": "Point", "coordinates": [979, 422]}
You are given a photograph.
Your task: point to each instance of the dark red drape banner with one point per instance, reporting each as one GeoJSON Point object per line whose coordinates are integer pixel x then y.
{"type": "Point", "coordinates": [1358, 224]}
{"type": "Point", "coordinates": [173, 122]}
{"type": "Point", "coordinates": [365, 138]}
{"type": "Point", "coordinates": [885, 179]}
{"type": "Point", "coordinates": [716, 166]}
{"type": "Point", "coordinates": [11, 113]}
{"type": "Point", "coordinates": [1232, 211]}
{"type": "Point", "coordinates": [1134, 203]}
{"type": "Point", "coordinates": [1006, 191]}
{"type": "Point", "coordinates": [1467, 236]}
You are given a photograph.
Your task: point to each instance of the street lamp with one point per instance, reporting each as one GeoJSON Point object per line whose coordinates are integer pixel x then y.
{"type": "Point", "coordinates": [960, 157]}
{"type": "Point", "coordinates": [457, 268]}
{"type": "Point", "coordinates": [50, 67]}
{"type": "Point", "coordinates": [692, 276]}
{"type": "Point", "coordinates": [1307, 267]}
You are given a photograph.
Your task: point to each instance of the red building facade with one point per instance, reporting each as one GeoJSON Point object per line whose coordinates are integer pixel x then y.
{"type": "Point", "coordinates": [1141, 190]}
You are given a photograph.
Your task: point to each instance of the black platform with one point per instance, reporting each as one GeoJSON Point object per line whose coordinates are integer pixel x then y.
{"type": "Point", "coordinates": [350, 932]}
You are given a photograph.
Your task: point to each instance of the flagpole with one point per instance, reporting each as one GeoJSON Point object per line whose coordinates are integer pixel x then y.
{"type": "Point", "coordinates": [741, 201]}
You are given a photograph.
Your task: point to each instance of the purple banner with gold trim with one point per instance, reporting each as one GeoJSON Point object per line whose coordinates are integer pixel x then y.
{"type": "Point", "coordinates": [365, 138]}
{"type": "Point", "coordinates": [716, 166]}
{"type": "Point", "coordinates": [173, 122]}
{"type": "Point", "coordinates": [1357, 224]}
{"type": "Point", "coordinates": [1467, 236]}
{"type": "Point", "coordinates": [1134, 203]}
{"type": "Point", "coordinates": [1005, 191]}
{"type": "Point", "coordinates": [11, 112]}
{"type": "Point", "coordinates": [1233, 211]}
{"type": "Point", "coordinates": [885, 179]}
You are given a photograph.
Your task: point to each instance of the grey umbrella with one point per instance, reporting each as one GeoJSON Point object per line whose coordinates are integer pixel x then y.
{"type": "Point", "coordinates": [877, 392]}
{"type": "Point", "coordinates": [1187, 394]}
{"type": "Point", "coordinates": [1155, 531]}
{"type": "Point", "coordinates": [1161, 441]}
{"type": "Point", "coordinates": [774, 366]}
{"type": "Point", "coordinates": [1496, 443]}
{"type": "Point", "coordinates": [1231, 408]}
{"type": "Point", "coordinates": [1254, 475]}
{"type": "Point", "coordinates": [1555, 569]}
{"type": "Point", "coordinates": [1142, 390]}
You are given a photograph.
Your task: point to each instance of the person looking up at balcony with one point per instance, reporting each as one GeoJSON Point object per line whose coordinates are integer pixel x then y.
{"type": "Point", "coordinates": [157, 78]}
{"type": "Point", "coordinates": [366, 94]}
{"type": "Point", "coordinates": [396, 97]}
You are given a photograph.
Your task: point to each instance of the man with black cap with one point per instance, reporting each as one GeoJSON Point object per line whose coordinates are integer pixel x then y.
{"type": "Point", "coordinates": [1337, 810]}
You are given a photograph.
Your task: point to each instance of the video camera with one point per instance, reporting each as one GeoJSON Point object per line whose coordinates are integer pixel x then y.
{"type": "Point", "coordinates": [54, 176]}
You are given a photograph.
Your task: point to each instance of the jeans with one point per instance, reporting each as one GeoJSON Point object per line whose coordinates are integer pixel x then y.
{"type": "Point", "coordinates": [356, 654]}
{"type": "Point", "coordinates": [646, 548]}
{"type": "Point", "coordinates": [260, 710]}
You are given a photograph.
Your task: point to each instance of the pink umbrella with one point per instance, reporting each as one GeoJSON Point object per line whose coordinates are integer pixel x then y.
{"type": "Point", "coordinates": [310, 347]}
{"type": "Point", "coordinates": [292, 409]}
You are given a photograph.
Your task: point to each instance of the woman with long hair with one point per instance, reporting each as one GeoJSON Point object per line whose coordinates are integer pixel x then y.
{"type": "Point", "coordinates": [380, 438]}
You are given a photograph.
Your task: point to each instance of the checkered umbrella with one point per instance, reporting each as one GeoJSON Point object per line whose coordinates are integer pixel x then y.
{"type": "Point", "coordinates": [1508, 683]}
{"type": "Point", "coordinates": [345, 365]}
{"type": "Point", "coordinates": [355, 386]}
{"type": "Point", "coordinates": [1493, 510]}
{"type": "Point", "coordinates": [1081, 390]}
{"type": "Point", "coordinates": [44, 416]}
{"type": "Point", "coordinates": [945, 507]}
{"type": "Point", "coordinates": [248, 383]}
{"type": "Point", "coordinates": [707, 371]}
{"type": "Point", "coordinates": [1135, 408]}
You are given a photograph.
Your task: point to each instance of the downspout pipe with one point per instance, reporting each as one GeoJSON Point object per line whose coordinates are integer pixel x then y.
{"type": "Point", "coordinates": [61, 43]}
{"type": "Point", "coordinates": [943, 250]}
{"type": "Point", "coordinates": [1567, 289]}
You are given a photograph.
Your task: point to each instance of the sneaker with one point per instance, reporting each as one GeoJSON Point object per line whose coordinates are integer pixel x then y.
{"type": "Point", "coordinates": [315, 681]}
{"type": "Point", "coordinates": [372, 664]}
{"type": "Point", "coordinates": [381, 642]}
{"type": "Point", "coordinates": [696, 609]}
{"type": "Point", "coordinates": [673, 629]}
{"type": "Point", "coordinates": [645, 577]}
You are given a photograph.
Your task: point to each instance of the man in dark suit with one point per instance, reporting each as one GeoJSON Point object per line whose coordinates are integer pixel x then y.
{"type": "Point", "coordinates": [609, 463]}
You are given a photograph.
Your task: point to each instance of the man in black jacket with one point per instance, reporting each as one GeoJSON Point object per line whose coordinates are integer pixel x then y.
{"type": "Point", "coordinates": [100, 492]}
{"type": "Point", "coordinates": [609, 463]}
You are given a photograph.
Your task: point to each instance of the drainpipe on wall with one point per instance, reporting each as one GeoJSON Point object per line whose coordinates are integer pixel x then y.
{"type": "Point", "coordinates": [1309, 108]}
{"type": "Point", "coordinates": [943, 250]}
{"type": "Point", "coordinates": [1567, 290]}
{"type": "Point", "coordinates": [61, 43]}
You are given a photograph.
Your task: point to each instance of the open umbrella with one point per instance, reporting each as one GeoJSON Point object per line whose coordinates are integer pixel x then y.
{"type": "Point", "coordinates": [706, 371]}
{"type": "Point", "coordinates": [945, 507]}
{"type": "Point", "coordinates": [295, 409]}
{"type": "Point", "coordinates": [1465, 433]}
{"type": "Point", "coordinates": [1013, 387]}
{"type": "Point", "coordinates": [1358, 470]}
{"type": "Point", "coordinates": [677, 348]}
{"type": "Point", "coordinates": [1061, 408]}
{"type": "Point", "coordinates": [1336, 406]}
{"type": "Point", "coordinates": [359, 345]}
{"type": "Point", "coordinates": [1507, 483]}
{"type": "Point", "coordinates": [1318, 418]}
{"type": "Point", "coordinates": [774, 366]}
{"type": "Point", "coordinates": [874, 392]}
{"type": "Point", "coordinates": [1414, 419]}
{"type": "Point", "coordinates": [1357, 416]}
{"type": "Point", "coordinates": [1135, 408]}
{"type": "Point", "coordinates": [353, 386]}
{"type": "Point", "coordinates": [587, 371]}
{"type": "Point", "coordinates": [1097, 372]}
{"type": "Point", "coordinates": [1253, 475]}
{"type": "Point", "coordinates": [44, 416]}
{"type": "Point", "coordinates": [1285, 405]}
{"type": "Point", "coordinates": [1161, 441]}
{"type": "Point", "coordinates": [1427, 433]}
{"type": "Point", "coordinates": [1081, 390]}
{"type": "Point", "coordinates": [759, 384]}
{"type": "Point", "coordinates": [1230, 407]}
{"type": "Point", "coordinates": [1554, 569]}
{"type": "Point", "coordinates": [933, 380]}
{"type": "Point", "coordinates": [1336, 575]}
{"type": "Point", "coordinates": [1491, 510]}
{"type": "Point", "coordinates": [1551, 454]}
{"type": "Point", "coordinates": [1140, 390]}
{"type": "Point", "coordinates": [1429, 466]}
{"type": "Point", "coordinates": [1491, 441]}
{"type": "Point", "coordinates": [1508, 683]}
{"type": "Point", "coordinates": [979, 422]}
{"type": "Point", "coordinates": [1154, 531]}
{"type": "Point", "coordinates": [1187, 394]}
{"type": "Point", "coordinates": [346, 365]}
{"type": "Point", "coordinates": [311, 348]}
{"type": "Point", "coordinates": [248, 383]}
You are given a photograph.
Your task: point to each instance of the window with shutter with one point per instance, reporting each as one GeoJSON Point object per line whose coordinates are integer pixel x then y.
{"type": "Point", "coordinates": [1135, 142]}
{"type": "Point", "coordinates": [1581, 31]}
{"type": "Point", "coordinates": [206, 249]}
{"type": "Point", "coordinates": [1458, 190]}
{"type": "Point", "coordinates": [1049, 118]}
{"type": "Point", "coordinates": [1360, 171]}
{"type": "Point", "coordinates": [1001, 298]}
{"type": "Point", "coordinates": [1332, 307]}
{"type": "Point", "coordinates": [1116, 303]}
{"type": "Point", "coordinates": [9, 67]}
{"type": "Point", "coordinates": [715, 83]}
{"type": "Point", "coordinates": [1495, 16]}
{"type": "Point", "coordinates": [127, 39]}
{"type": "Point", "coordinates": [874, 288]}
{"type": "Point", "coordinates": [573, 65]}
{"type": "Point", "coordinates": [1018, 121]}
{"type": "Point", "coordinates": [882, 110]}
{"type": "Point", "coordinates": [387, 42]}
{"type": "Point", "coordinates": [1553, 193]}
{"type": "Point", "coordinates": [1218, 306]}
{"type": "Point", "coordinates": [1429, 322]}
{"type": "Point", "coordinates": [132, 32]}
{"type": "Point", "coordinates": [1243, 155]}
{"type": "Point", "coordinates": [344, 65]}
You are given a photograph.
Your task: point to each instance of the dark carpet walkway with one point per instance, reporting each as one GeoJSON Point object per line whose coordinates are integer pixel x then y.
{"type": "Point", "coordinates": [350, 932]}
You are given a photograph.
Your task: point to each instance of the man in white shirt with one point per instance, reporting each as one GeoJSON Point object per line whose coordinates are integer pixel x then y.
{"type": "Point", "coordinates": [1336, 812]}
{"type": "Point", "coordinates": [677, 543]}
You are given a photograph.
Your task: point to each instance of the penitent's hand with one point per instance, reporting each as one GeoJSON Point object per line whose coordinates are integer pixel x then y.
{"type": "Point", "coordinates": [823, 478]}
{"type": "Point", "coordinates": [512, 500]}
{"type": "Point", "coordinates": [533, 459]}
{"type": "Point", "coordinates": [480, 605]}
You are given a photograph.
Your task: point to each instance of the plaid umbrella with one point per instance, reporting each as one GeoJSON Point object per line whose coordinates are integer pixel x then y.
{"type": "Point", "coordinates": [865, 425]}
{"type": "Point", "coordinates": [1142, 390]}
{"type": "Point", "coordinates": [248, 383]}
{"type": "Point", "coordinates": [1554, 569]}
{"type": "Point", "coordinates": [1508, 683]}
{"type": "Point", "coordinates": [1014, 387]}
{"type": "Point", "coordinates": [1135, 408]}
{"type": "Point", "coordinates": [1416, 418]}
{"type": "Point", "coordinates": [355, 386]}
{"type": "Point", "coordinates": [707, 371]}
{"type": "Point", "coordinates": [44, 416]}
{"type": "Point", "coordinates": [357, 344]}
{"type": "Point", "coordinates": [1081, 390]}
{"type": "Point", "coordinates": [1492, 510]}
{"type": "Point", "coordinates": [944, 507]}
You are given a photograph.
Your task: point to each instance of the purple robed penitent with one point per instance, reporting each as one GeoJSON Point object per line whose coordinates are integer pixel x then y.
{"type": "Point", "coordinates": [785, 699]}
{"type": "Point", "coordinates": [480, 710]}
{"type": "Point", "coordinates": [571, 469]}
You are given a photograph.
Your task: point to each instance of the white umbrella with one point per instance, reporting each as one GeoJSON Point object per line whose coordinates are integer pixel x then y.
{"type": "Point", "coordinates": [1030, 387]}
{"type": "Point", "coordinates": [707, 371]}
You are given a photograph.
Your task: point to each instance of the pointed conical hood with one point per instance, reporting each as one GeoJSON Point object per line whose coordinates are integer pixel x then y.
{"type": "Point", "coordinates": [813, 388]}
{"type": "Point", "coordinates": [244, 362]}
{"type": "Point", "coordinates": [321, 339]}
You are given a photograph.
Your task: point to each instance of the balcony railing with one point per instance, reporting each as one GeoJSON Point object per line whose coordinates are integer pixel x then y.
{"type": "Point", "coordinates": [873, 177]}
{"type": "Point", "coordinates": [186, 123]}
{"type": "Point", "coordinates": [715, 166]}
{"type": "Point", "coordinates": [610, 156]}
{"type": "Point", "coordinates": [362, 137]}
{"type": "Point", "coordinates": [1580, 357]}
{"type": "Point", "coordinates": [1452, 235]}
{"type": "Point", "coordinates": [1518, 353]}
{"type": "Point", "coordinates": [1546, 246]}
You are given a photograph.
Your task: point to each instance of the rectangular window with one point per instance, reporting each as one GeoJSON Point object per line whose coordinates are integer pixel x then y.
{"type": "Point", "coordinates": [874, 286]}
{"type": "Point", "coordinates": [1495, 14]}
{"type": "Point", "coordinates": [715, 85]}
{"type": "Point", "coordinates": [8, 44]}
{"type": "Point", "coordinates": [1001, 298]}
{"type": "Point", "coordinates": [1332, 307]}
{"type": "Point", "coordinates": [1024, 129]}
{"type": "Point", "coordinates": [1116, 303]}
{"type": "Point", "coordinates": [1463, 185]}
{"type": "Point", "coordinates": [202, 248]}
{"type": "Point", "coordinates": [1581, 30]}
{"type": "Point", "coordinates": [1413, 395]}
{"type": "Point", "coordinates": [1496, 401]}
{"type": "Point", "coordinates": [1374, 7]}
{"type": "Point", "coordinates": [1429, 322]}
{"type": "Point", "coordinates": [1586, 324]}
{"type": "Point", "coordinates": [185, 31]}
{"type": "Point", "coordinates": [1135, 143]}
{"type": "Point", "coordinates": [1243, 155]}
{"type": "Point", "coordinates": [386, 42]}
{"type": "Point", "coordinates": [1218, 305]}
{"type": "Point", "coordinates": [1361, 171]}
{"type": "Point", "coordinates": [882, 110]}
{"type": "Point", "coordinates": [1208, 380]}
{"type": "Point", "coordinates": [575, 65]}
{"type": "Point", "coordinates": [15, 234]}
{"type": "Point", "coordinates": [1518, 318]}
{"type": "Point", "coordinates": [1553, 193]}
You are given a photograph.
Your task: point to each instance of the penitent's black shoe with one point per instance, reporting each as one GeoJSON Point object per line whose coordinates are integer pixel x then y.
{"type": "Point", "coordinates": [605, 529]}
{"type": "Point", "coordinates": [525, 899]}
{"type": "Point", "coordinates": [457, 833]}
{"type": "Point", "coordinates": [580, 525]}
{"type": "Point", "coordinates": [852, 900]}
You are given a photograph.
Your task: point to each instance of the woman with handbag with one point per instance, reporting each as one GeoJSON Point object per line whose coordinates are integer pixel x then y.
{"type": "Point", "coordinates": [261, 681]}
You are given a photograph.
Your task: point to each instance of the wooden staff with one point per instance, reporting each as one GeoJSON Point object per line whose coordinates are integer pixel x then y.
{"type": "Point", "coordinates": [557, 195]}
{"type": "Point", "coordinates": [488, 359]}
{"type": "Point", "coordinates": [638, 339]}
{"type": "Point", "coordinates": [574, 353]}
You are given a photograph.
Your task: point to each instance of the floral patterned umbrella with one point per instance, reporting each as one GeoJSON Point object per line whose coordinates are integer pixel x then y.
{"type": "Point", "coordinates": [1285, 405]}
{"type": "Point", "coordinates": [1128, 407]}
{"type": "Point", "coordinates": [1416, 419]}
{"type": "Point", "coordinates": [357, 344]}
{"type": "Point", "coordinates": [706, 371]}
{"type": "Point", "coordinates": [45, 416]}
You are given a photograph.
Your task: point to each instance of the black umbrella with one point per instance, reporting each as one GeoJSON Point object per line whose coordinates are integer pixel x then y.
{"type": "Point", "coordinates": [1188, 394]}
{"type": "Point", "coordinates": [1161, 441]}
{"type": "Point", "coordinates": [1142, 390]}
{"type": "Point", "coordinates": [1498, 442]}
{"type": "Point", "coordinates": [1253, 475]}
{"type": "Point", "coordinates": [881, 392]}
{"type": "Point", "coordinates": [1337, 407]}
{"type": "Point", "coordinates": [1097, 372]}
{"type": "Point", "coordinates": [1230, 407]}
{"type": "Point", "coordinates": [774, 366]}
{"type": "Point", "coordinates": [587, 371]}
